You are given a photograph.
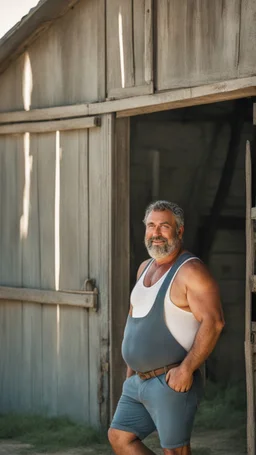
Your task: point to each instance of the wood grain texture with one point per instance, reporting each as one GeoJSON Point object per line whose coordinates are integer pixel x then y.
{"type": "Point", "coordinates": [47, 347]}
{"type": "Point", "coordinates": [120, 255]}
{"type": "Point", "coordinates": [100, 151]}
{"type": "Point", "coordinates": [25, 31]}
{"type": "Point", "coordinates": [51, 113]}
{"type": "Point", "coordinates": [247, 60]}
{"type": "Point", "coordinates": [66, 62]}
{"type": "Point", "coordinates": [136, 105]}
{"type": "Point", "coordinates": [46, 162]}
{"type": "Point", "coordinates": [129, 46]}
{"type": "Point", "coordinates": [50, 126]}
{"type": "Point", "coordinates": [82, 299]}
{"type": "Point", "coordinates": [197, 41]}
{"type": "Point", "coordinates": [31, 316]}
{"type": "Point", "coordinates": [73, 383]}
{"type": "Point", "coordinates": [11, 154]}
{"type": "Point", "coordinates": [11, 86]}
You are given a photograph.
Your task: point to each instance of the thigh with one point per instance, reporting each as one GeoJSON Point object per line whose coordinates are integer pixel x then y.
{"type": "Point", "coordinates": [172, 412]}
{"type": "Point", "coordinates": [131, 415]}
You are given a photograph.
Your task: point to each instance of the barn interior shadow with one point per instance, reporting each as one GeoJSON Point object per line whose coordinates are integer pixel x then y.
{"type": "Point", "coordinates": [196, 157]}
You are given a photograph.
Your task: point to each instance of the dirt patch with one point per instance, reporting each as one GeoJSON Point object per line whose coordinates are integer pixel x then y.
{"type": "Point", "coordinates": [221, 442]}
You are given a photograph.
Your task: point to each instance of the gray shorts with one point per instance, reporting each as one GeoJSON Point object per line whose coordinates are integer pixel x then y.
{"type": "Point", "coordinates": [149, 405]}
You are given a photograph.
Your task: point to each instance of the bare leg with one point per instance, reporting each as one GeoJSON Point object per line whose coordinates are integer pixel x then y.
{"type": "Point", "coordinates": [125, 443]}
{"type": "Point", "coordinates": [185, 450]}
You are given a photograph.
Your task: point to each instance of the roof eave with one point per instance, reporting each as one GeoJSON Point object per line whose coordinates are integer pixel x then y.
{"type": "Point", "coordinates": [39, 18]}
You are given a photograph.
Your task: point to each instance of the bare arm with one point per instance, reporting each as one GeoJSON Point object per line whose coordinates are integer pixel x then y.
{"type": "Point", "coordinates": [204, 301]}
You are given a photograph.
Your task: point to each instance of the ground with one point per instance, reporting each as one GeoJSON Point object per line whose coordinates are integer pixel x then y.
{"type": "Point", "coordinates": [218, 442]}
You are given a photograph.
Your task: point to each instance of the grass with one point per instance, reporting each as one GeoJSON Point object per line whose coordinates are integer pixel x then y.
{"type": "Point", "coordinates": [48, 434]}
{"type": "Point", "coordinates": [222, 408]}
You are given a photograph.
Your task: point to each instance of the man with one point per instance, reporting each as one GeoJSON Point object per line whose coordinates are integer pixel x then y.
{"type": "Point", "coordinates": [174, 322]}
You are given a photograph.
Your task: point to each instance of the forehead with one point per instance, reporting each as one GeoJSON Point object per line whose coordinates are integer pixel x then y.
{"type": "Point", "coordinates": [161, 217]}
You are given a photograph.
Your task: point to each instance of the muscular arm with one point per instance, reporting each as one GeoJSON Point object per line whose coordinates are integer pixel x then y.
{"type": "Point", "coordinates": [204, 302]}
{"type": "Point", "coordinates": [203, 299]}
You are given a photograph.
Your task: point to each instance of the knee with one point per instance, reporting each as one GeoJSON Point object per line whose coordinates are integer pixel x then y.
{"type": "Point", "coordinates": [120, 439]}
{"type": "Point", "coordinates": [114, 437]}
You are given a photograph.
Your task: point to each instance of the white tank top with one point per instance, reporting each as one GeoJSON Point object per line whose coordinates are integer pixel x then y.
{"type": "Point", "coordinates": [182, 324]}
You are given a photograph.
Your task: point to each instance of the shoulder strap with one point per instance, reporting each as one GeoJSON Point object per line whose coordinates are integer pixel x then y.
{"type": "Point", "coordinates": [178, 263]}
{"type": "Point", "coordinates": [145, 268]}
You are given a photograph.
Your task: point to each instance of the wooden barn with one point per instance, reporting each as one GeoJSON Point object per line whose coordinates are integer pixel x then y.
{"type": "Point", "coordinates": [106, 105]}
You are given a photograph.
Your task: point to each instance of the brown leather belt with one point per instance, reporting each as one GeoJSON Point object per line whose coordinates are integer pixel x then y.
{"type": "Point", "coordinates": [157, 372]}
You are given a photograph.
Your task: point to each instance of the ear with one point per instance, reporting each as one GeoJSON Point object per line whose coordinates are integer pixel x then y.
{"type": "Point", "coordinates": [181, 232]}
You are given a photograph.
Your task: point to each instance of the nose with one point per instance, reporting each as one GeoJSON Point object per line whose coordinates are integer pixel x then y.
{"type": "Point", "coordinates": [157, 231]}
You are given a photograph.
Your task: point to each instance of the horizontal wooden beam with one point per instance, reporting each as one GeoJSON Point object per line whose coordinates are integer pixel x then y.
{"type": "Point", "coordinates": [127, 92]}
{"type": "Point", "coordinates": [85, 299]}
{"type": "Point", "coordinates": [195, 99]}
{"type": "Point", "coordinates": [135, 105]}
{"type": "Point", "coordinates": [48, 113]}
{"type": "Point", "coordinates": [50, 126]}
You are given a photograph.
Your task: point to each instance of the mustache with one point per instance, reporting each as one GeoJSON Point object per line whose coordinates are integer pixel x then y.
{"type": "Point", "coordinates": [157, 238]}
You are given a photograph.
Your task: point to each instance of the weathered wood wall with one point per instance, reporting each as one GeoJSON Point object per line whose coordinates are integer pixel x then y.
{"type": "Point", "coordinates": [120, 48]}
{"type": "Point", "coordinates": [65, 65]}
{"type": "Point", "coordinates": [54, 231]}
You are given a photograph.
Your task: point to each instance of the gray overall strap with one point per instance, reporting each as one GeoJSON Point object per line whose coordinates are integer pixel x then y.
{"type": "Point", "coordinates": [181, 259]}
{"type": "Point", "coordinates": [144, 270]}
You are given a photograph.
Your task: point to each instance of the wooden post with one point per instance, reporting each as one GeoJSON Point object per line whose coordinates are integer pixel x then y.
{"type": "Point", "coordinates": [248, 307]}
{"type": "Point", "coordinates": [120, 270]}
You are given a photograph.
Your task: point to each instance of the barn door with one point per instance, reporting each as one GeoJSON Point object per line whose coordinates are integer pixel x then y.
{"type": "Point", "coordinates": [249, 288]}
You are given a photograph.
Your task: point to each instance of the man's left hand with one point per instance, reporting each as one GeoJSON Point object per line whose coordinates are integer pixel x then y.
{"type": "Point", "coordinates": [179, 380]}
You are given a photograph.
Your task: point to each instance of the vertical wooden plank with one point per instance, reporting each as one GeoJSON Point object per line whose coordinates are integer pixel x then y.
{"type": "Point", "coordinates": [207, 34]}
{"type": "Point", "coordinates": [120, 44]}
{"type": "Point", "coordinates": [10, 273]}
{"type": "Point", "coordinates": [248, 308]}
{"type": "Point", "coordinates": [148, 41]}
{"type": "Point", "coordinates": [120, 289]}
{"type": "Point", "coordinates": [129, 36]}
{"type": "Point", "coordinates": [74, 41]}
{"type": "Point", "coordinates": [100, 151]}
{"type": "Point", "coordinates": [247, 59]}
{"type": "Point", "coordinates": [32, 316]}
{"type": "Point", "coordinates": [11, 86]}
{"type": "Point", "coordinates": [10, 234]}
{"type": "Point", "coordinates": [46, 161]}
{"type": "Point", "coordinates": [73, 390]}
{"type": "Point", "coordinates": [101, 50]}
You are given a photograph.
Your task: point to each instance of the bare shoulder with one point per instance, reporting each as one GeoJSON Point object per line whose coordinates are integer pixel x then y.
{"type": "Point", "coordinates": [195, 274]}
{"type": "Point", "coordinates": [142, 267]}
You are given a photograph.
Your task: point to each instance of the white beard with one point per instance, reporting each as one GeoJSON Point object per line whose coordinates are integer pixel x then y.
{"type": "Point", "coordinates": [161, 251]}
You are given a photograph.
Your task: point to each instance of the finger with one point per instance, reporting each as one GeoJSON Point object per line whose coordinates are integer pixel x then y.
{"type": "Point", "coordinates": [167, 376]}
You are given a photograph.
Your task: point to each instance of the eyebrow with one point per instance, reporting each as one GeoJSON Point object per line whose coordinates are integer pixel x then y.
{"type": "Point", "coordinates": [164, 222]}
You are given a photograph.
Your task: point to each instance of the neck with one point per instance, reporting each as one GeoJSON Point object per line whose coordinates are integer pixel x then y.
{"type": "Point", "coordinates": [170, 258]}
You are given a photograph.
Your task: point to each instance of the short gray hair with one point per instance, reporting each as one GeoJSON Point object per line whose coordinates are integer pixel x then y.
{"type": "Point", "coordinates": [160, 206]}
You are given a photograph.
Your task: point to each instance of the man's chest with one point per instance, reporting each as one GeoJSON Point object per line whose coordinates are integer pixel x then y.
{"type": "Point", "coordinates": [177, 292]}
